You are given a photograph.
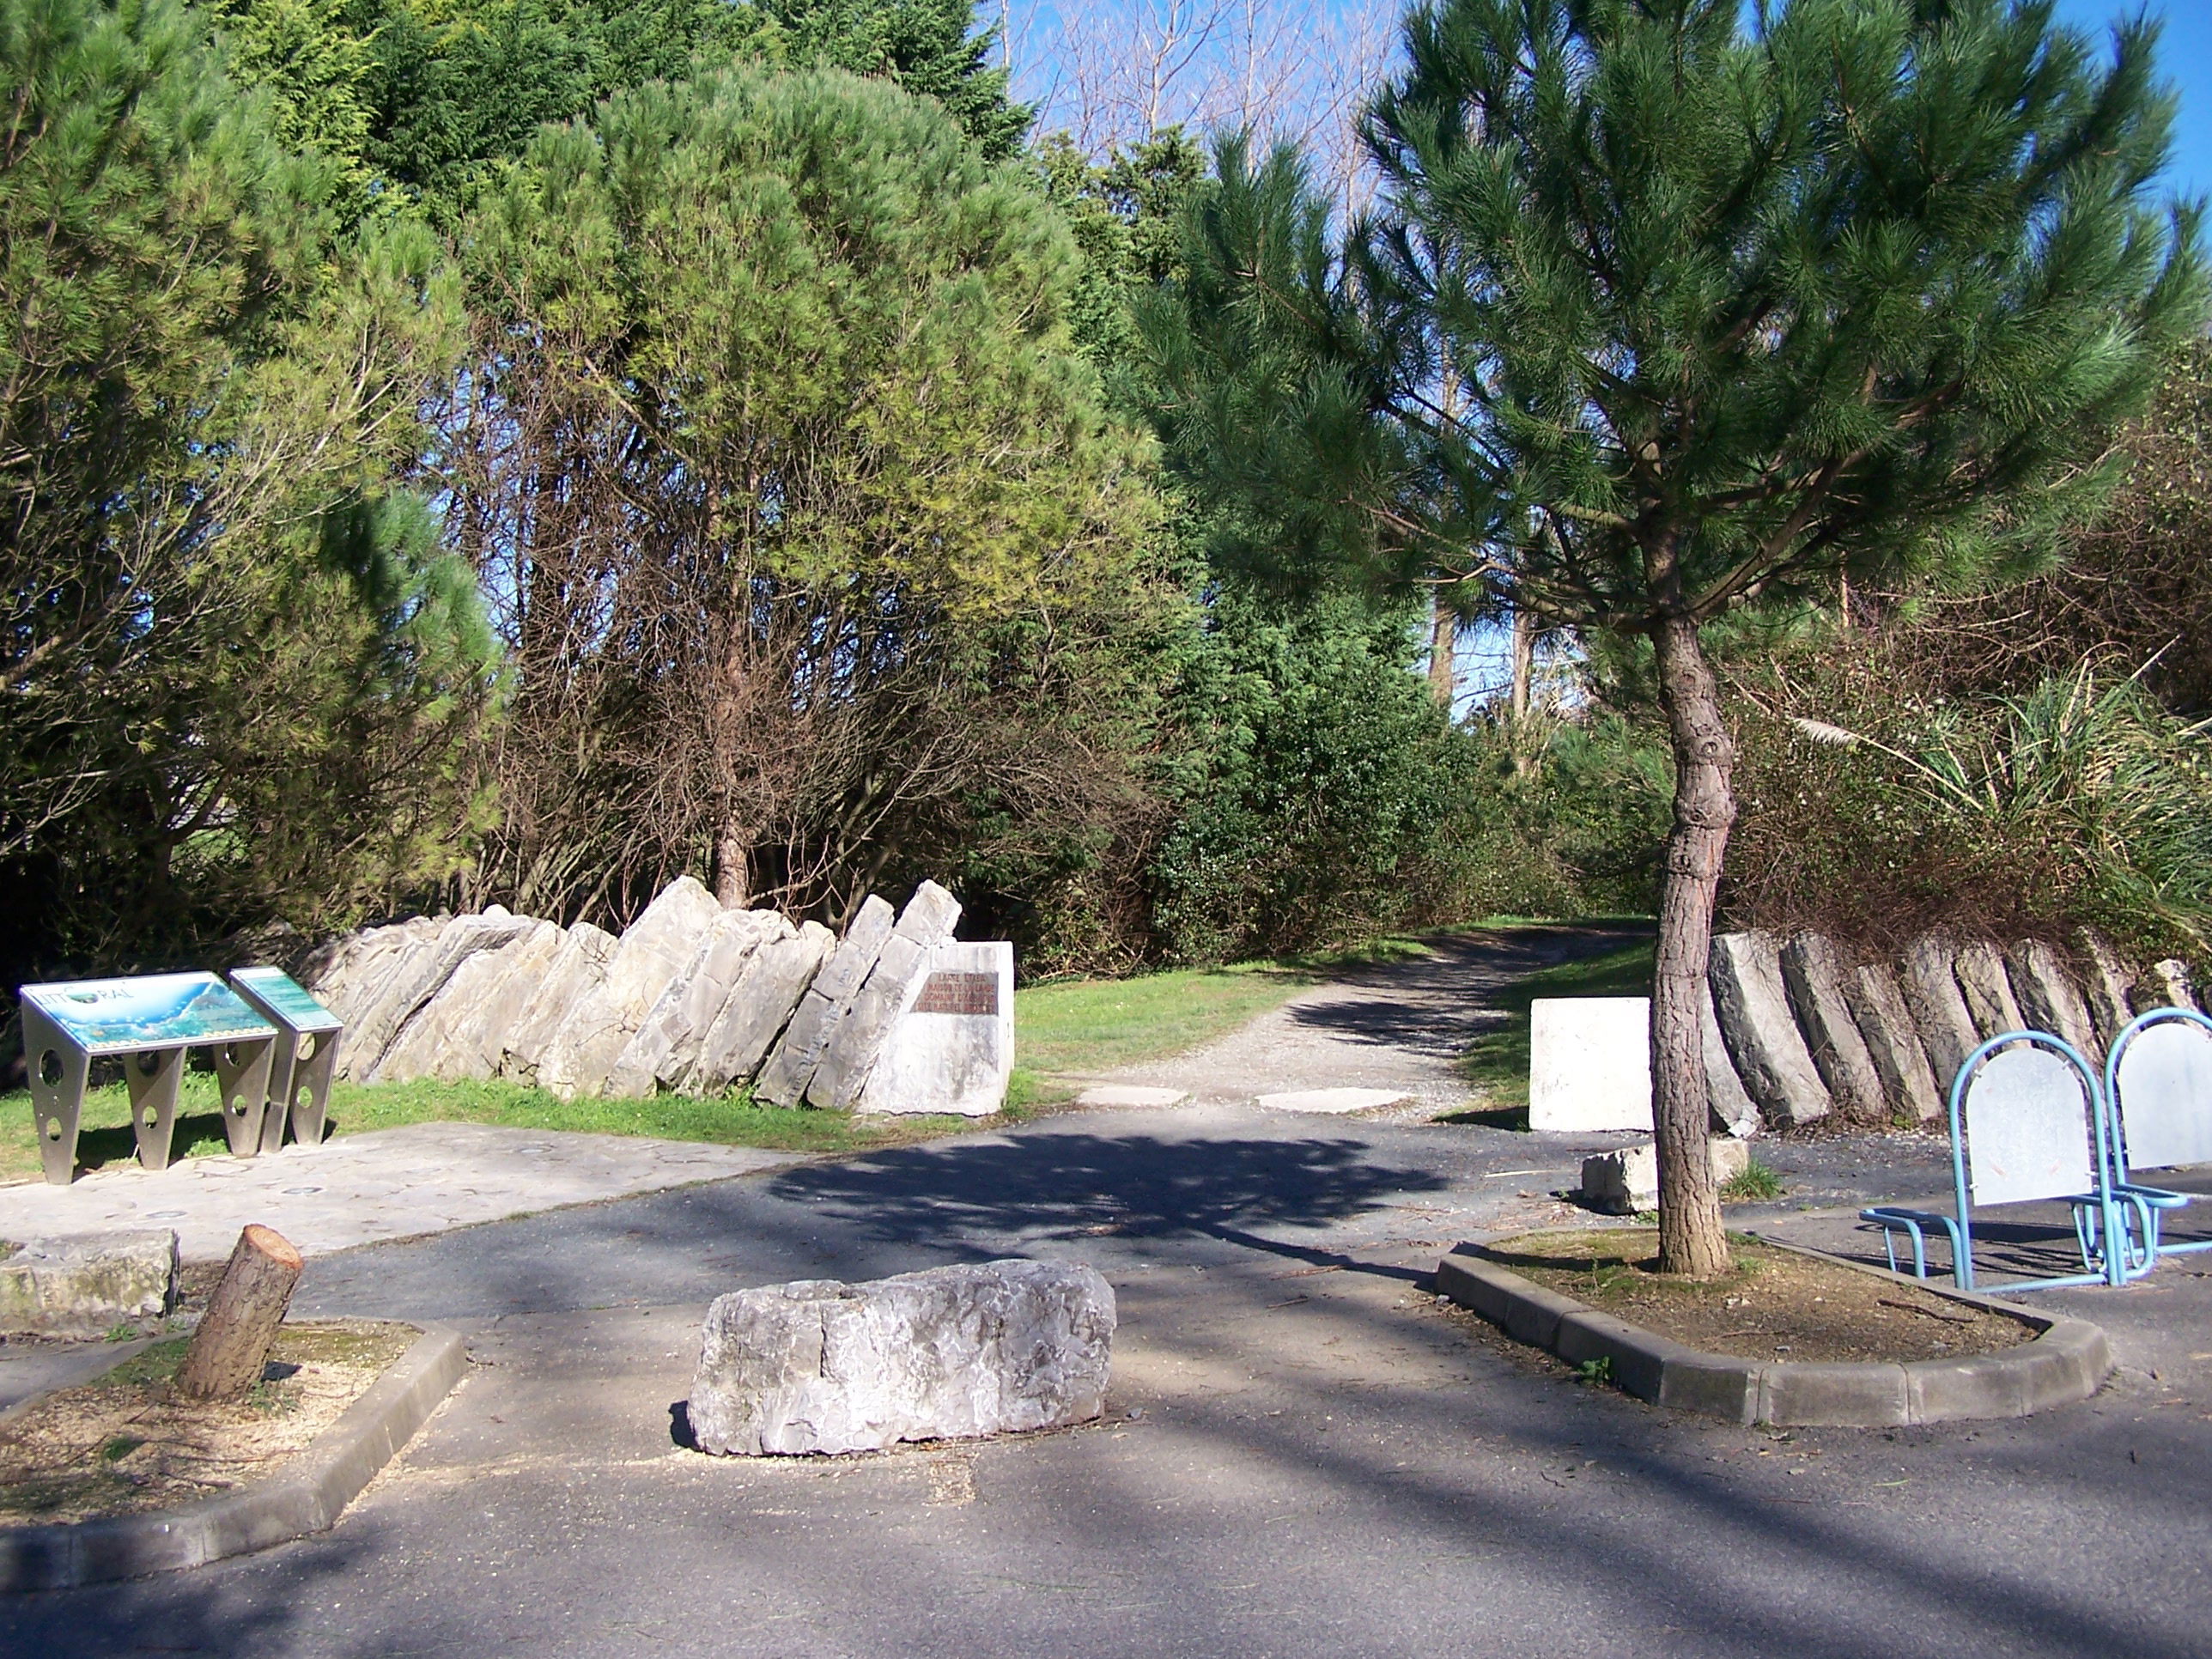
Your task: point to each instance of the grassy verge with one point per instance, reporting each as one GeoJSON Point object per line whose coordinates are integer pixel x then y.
{"type": "Point", "coordinates": [1497, 1064]}
{"type": "Point", "coordinates": [731, 1120]}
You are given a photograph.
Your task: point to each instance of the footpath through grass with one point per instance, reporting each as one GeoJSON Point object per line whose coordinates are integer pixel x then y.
{"type": "Point", "coordinates": [1497, 1064]}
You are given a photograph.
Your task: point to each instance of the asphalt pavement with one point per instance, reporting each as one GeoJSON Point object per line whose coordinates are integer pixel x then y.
{"type": "Point", "coordinates": [1304, 1452]}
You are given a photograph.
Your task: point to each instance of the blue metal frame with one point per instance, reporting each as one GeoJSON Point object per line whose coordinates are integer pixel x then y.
{"type": "Point", "coordinates": [2150, 1202]}
{"type": "Point", "coordinates": [2096, 1214]}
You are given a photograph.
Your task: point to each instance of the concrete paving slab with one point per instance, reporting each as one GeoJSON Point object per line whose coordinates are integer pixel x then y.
{"type": "Point", "coordinates": [361, 1189]}
{"type": "Point", "coordinates": [1132, 1095]}
{"type": "Point", "coordinates": [1333, 1100]}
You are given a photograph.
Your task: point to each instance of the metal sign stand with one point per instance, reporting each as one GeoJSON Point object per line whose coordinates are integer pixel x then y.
{"type": "Point", "coordinates": [150, 1021]}
{"type": "Point", "coordinates": [306, 1053]}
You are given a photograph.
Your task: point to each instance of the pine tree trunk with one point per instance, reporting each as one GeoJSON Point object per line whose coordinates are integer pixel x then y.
{"type": "Point", "coordinates": [1691, 1237]}
{"type": "Point", "coordinates": [1443, 646]}
{"type": "Point", "coordinates": [231, 1344]}
{"type": "Point", "coordinates": [1524, 661]}
{"type": "Point", "coordinates": [733, 868]}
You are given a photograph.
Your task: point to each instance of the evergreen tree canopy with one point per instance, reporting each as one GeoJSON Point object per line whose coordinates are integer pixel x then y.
{"type": "Point", "coordinates": [1674, 305]}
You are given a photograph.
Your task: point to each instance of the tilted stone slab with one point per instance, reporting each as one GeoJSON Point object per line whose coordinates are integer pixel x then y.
{"type": "Point", "coordinates": [431, 1044]}
{"type": "Point", "coordinates": [338, 971]}
{"type": "Point", "coordinates": [2170, 984]}
{"type": "Point", "coordinates": [2049, 999]}
{"type": "Point", "coordinates": [1987, 988]}
{"type": "Point", "coordinates": [773, 982]}
{"type": "Point", "coordinates": [654, 949]}
{"type": "Point", "coordinates": [479, 1044]}
{"type": "Point", "coordinates": [949, 1353]}
{"type": "Point", "coordinates": [2105, 985]}
{"type": "Point", "coordinates": [893, 984]}
{"type": "Point", "coordinates": [1729, 1104]}
{"type": "Point", "coordinates": [1814, 978]}
{"type": "Point", "coordinates": [464, 937]}
{"type": "Point", "coordinates": [783, 1080]}
{"type": "Point", "coordinates": [668, 1041]}
{"type": "Point", "coordinates": [377, 979]}
{"type": "Point", "coordinates": [85, 1287]}
{"type": "Point", "coordinates": [574, 973]}
{"type": "Point", "coordinates": [1892, 1041]}
{"type": "Point", "coordinates": [1762, 1035]}
{"type": "Point", "coordinates": [1939, 1010]}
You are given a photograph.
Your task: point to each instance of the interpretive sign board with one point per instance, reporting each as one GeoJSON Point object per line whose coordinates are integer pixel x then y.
{"type": "Point", "coordinates": [1589, 1064]}
{"type": "Point", "coordinates": [150, 1021]}
{"type": "Point", "coordinates": [306, 1057]}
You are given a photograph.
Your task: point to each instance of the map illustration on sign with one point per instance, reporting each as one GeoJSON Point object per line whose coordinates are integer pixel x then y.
{"type": "Point", "coordinates": [281, 994]}
{"type": "Point", "coordinates": [118, 1016]}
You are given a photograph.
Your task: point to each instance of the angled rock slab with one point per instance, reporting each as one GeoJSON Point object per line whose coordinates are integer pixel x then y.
{"type": "Point", "coordinates": [949, 1353]}
{"type": "Point", "coordinates": [1334, 1101]}
{"type": "Point", "coordinates": [85, 1287]}
{"type": "Point", "coordinates": [570, 978]}
{"type": "Point", "coordinates": [667, 1043]}
{"type": "Point", "coordinates": [1892, 1041]}
{"type": "Point", "coordinates": [464, 938]}
{"type": "Point", "coordinates": [1814, 978]}
{"type": "Point", "coordinates": [653, 949]}
{"type": "Point", "coordinates": [1729, 1104]}
{"type": "Point", "coordinates": [784, 1079]}
{"type": "Point", "coordinates": [1762, 1035]}
{"type": "Point", "coordinates": [431, 1044]}
{"type": "Point", "coordinates": [893, 986]}
{"type": "Point", "coordinates": [2170, 984]}
{"type": "Point", "coordinates": [479, 1044]}
{"type": "Point", "coordinates": [1589, 1064]}
{"type": "Point", "coordinates": [1987, 988]}
{"type": "Point", "coordinates": [2049, 999]}
{"type": "Point", "coordinates": [2105, 985]}
{"type": "Point", "coordinates": [951, 1049]}
{"type": "Point", "coordinates": [772, 986]}
{"type": "Point", "coordinates": [1939, 1010]}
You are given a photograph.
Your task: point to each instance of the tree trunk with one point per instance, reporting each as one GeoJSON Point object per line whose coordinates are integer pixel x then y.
{"type": "Point", "coordinates": [733, 868]}
{"type": "Point", "coordinates": [1691, 1238]}
{"type": "Point", "coordinates": [1524, 661]}
{"type": "Point", "coordinates": [231, 1344]}
{"type": "Point", "coordinates": [1443, 644]}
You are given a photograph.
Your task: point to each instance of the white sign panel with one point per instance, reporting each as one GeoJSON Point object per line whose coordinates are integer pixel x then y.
{"type": "Point", "coordinates": [1589, 1064]}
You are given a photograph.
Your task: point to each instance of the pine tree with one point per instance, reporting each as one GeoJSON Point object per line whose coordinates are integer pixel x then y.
{"type": "Point", "coordinates": [1678, 306]}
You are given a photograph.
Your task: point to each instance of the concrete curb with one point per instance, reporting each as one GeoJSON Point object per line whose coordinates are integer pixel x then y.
{"type": "Point", "coordinates": [2067, 1360]}
{"type": "Point", "coordinates": [308, 1496]}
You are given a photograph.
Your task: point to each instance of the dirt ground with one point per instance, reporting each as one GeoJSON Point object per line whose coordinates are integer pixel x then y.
{"type": "Point", "coordinates": [1774, 1305]}
{"type": "Point", "coordinates": [127, 1443]}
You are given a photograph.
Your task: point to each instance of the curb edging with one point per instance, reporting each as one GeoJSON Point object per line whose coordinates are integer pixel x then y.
{"type": "Point", "coordinates": [307, 1496]}
{"type": "Point", "coordinates": [2066, 1361]}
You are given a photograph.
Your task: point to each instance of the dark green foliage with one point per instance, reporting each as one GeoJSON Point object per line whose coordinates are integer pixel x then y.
{"type": "Point", "coordinates": [923, 45]}
{"type": "Point", "coordinates": [239, 670]}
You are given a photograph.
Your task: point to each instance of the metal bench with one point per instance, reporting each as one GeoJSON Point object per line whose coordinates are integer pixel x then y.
{"type": "Point", "coordinates": [2027, 1125]}
{"type": "Point", "coordinates": [2158, 1079]}
{"type": "Point", "coordinates": [149, 1022]}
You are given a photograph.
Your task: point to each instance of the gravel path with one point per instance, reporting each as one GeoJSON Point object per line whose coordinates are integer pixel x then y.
{"type": "Point", "coordinates": [1398, 1025]}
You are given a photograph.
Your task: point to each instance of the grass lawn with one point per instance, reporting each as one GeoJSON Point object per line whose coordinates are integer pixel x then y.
{"type": "Point", "coordinates": [1497, 1064]}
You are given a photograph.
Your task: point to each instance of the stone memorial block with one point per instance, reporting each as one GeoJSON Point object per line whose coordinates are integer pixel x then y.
{"type": "Point", "coordinates": [305, 1057]}
{"type": "Point", "coordinates": [2165, 1096]}
{"type": "Point", "coordinates": [1987, 988]}
{"type": "Point", "coordinates": [2049, 1001]}
{"type": "Point", "coordinates": [147, 1022]}
{"type": "Point", "coordinates": [949, 1353]}
{"type": "Point", "coordinates": [892, 985]}
{"type": "Point", "coordinates": [951, 1049]}
{"type": "Point", "coordinates": [1770, 1057]}
{"type": "Point", "coordinates": [1589, 1064]}
{"type": "Point", "coordinates": [1815, 979]}
{"type": "Point", "coordinates": [1892, 1041]}
{"type": "Point", "coordinates": [1931, 991]}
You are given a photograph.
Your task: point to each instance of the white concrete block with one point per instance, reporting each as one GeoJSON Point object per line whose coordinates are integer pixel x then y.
{"type": "Point", "coordinates": [952, 1048]}
{"type": "Point", "coordinates": [1589, 1064]}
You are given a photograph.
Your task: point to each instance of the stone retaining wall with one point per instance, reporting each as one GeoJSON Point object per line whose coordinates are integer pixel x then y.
{"type": "Point", "coordinates": [1806, 1029]}
{"type": "Point", "coordinates": [691, 998]}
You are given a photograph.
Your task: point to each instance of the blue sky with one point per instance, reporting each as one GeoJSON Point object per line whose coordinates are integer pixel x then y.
{"type": "Point", "coordinates": [2185, 58]}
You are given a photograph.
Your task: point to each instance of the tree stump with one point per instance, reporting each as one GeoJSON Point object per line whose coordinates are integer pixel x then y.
{"type": "Point", "coordinates": [233, 1339]}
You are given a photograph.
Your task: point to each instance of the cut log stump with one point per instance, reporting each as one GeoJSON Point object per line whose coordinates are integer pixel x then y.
{"type": "Point", "coordinates": [231, 1344]}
